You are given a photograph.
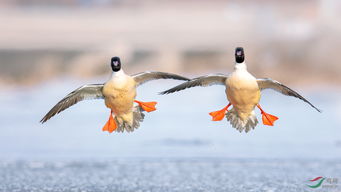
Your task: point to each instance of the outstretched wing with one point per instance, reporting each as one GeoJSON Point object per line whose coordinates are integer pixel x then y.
{"type": "Point", "coordinates": [216, 79]}
{"type": "Point", "coordinates": [92, 91]}
{"type": "Point", "coordinates": [277, 86]}
{"type": "Point", "coordinates": [143, 77]}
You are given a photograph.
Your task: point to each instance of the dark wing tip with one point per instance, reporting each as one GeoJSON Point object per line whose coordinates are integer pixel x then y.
{"type": "Point", "coordinates": [184, 78]}
{"type": "Point", "coordinates": [199, 81]}
{"type": "Point", "coordinates": [172, 90]}
{"type": "Point", "coordinates": [43, 120]}
{"type": "Point", "coordinates": [174, 76]}
{"type": "Point", "coordinates": [165, 92]}
{"type": "Point", "coordinates": [59, 107]}
{"type": "Point", "coordinates": [317, 109]}
{"type": "Point", "coordinates": [144, 77]}
{"type": "Point", "coordinates": [180, 87]}
{"type": "Point", "coordinates": [47, 116]}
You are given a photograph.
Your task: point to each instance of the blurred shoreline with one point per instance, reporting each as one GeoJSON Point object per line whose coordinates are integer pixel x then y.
{"type": "Point", "coordinates": [296, 42]}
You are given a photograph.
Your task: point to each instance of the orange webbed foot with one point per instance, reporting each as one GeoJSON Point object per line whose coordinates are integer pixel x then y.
{"type": "Point", "coordinates": [267, 118]}
{"type": "Point", "coordinates": [111, 125]}
{"type": "Point", "coordinates": [219, 115]}
{"type": "Point", "coordinates": [147, 106]}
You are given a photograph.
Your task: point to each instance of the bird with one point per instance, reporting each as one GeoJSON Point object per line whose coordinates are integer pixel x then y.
{"type": "Point", "coordinates": [119, 94]}
{"type": "Point", "coordinates": [243, 92]}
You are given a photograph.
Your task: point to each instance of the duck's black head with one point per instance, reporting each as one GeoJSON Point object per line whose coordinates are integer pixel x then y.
{"type": "Point", "coordinates": [115, 64]}
{"type": "Point", "coordinates": [239, 54]}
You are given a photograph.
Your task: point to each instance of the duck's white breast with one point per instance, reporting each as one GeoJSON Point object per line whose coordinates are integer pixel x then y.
{"type": "Point", "coordinates": [242, 91]}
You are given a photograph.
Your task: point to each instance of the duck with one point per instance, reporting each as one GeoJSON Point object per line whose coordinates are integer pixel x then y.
{"type": "Point", "coordinates": [119, 94]}
{"type": "Point", "coordinates": [243, 92]}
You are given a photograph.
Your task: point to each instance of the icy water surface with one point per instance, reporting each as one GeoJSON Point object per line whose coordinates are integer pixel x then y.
{"type": "Point", "coordinates": [165, 175]}
{"type": "Point", "coordinates": [177, 147]}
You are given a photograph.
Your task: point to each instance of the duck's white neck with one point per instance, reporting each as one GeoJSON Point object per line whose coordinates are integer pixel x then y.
{"type": "Point", "coordinates": [118, 74]}
{"type": "Point", "coordinates": [240, 66]}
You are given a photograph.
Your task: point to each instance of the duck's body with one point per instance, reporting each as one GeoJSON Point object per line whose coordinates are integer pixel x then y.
{"type": "Point", "coordinates": [242, 92]}
{"type": "Point", "coordinates": [119, 94]}
{"type": "Point", "coordinates": [119, 99]}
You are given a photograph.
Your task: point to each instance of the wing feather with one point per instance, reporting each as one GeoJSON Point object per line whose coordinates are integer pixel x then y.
{"type": "Point", "coordinates": [144, 77]}
{"type": "Point", "coordinates": [91, 91]}
{"type": "Point", "coordinates": [208, 80]}
{"type": "Point", "coordinates": [279, 87]}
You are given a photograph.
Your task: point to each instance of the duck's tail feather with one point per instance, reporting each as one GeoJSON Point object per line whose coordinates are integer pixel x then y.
{"type": "Point", "coordinates": [138, 117]}
{"type": "Point", "coordinates": [239, 124]}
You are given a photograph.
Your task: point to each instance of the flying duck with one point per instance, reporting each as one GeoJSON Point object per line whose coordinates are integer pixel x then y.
{"type": "Point", "coordinates": [119, 94]}
{"type": "Point", "coordinates": [243, 93]}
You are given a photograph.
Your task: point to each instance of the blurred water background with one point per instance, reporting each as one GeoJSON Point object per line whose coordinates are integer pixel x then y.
{"type": "Point", "coordinates": [49, 48]}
